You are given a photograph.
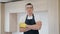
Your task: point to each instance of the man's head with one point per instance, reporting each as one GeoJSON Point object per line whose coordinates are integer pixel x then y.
{"type": "Point", "coordinates": [29, 8]}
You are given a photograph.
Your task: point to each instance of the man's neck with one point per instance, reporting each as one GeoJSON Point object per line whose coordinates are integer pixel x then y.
{"type": "Point", "coordinates": [30, 14]}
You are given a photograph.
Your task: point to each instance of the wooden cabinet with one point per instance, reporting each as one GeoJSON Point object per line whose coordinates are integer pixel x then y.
{"type": "Point", "coordinates": [13, 22]}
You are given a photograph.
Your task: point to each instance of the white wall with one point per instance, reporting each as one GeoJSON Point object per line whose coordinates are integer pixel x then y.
{"type": "Point", "coordinates": [19, 6]}
{"type": "Point", "coordinates": [53, 17]}
{"type": "Point", "coordinates": [6, 21]}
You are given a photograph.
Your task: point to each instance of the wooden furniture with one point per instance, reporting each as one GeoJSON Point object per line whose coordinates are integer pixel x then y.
{"type": "Point", "coordinates": [13, 22]}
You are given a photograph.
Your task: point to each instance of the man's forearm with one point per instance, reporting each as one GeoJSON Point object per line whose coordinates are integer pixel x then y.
{"type": "Point", "coordinates": [34, 27]}
{"type": "Point", "coordinates": [37, 26]}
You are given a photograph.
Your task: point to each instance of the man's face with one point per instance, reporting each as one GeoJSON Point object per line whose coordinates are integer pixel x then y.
{"type": "Point", "coordinates": [29, 9]}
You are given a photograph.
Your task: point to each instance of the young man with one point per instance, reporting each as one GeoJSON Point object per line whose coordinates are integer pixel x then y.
{"type": "Point", "coordinates": [33, 21]}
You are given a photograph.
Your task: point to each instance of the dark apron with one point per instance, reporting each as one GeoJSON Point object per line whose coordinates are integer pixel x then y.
{"type": "Point", "coordinates": [31, 22]}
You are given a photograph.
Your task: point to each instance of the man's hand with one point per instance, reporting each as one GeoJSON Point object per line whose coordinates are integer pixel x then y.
{"type": "Point", "coordinates": [24, 29]}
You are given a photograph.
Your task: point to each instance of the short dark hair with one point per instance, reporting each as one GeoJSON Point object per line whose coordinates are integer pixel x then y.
{"type": "Point", "coordinates": [29, 4]}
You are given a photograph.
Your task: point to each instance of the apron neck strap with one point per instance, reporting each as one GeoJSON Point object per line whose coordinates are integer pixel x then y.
{"type": "Point", "coordinates": [32, 15]}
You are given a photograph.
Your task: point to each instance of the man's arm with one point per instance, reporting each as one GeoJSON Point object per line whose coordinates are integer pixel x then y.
{"type": "Point", "coordinates": [37, 26]}
{"type": "Point", "coordinates": [24, 29]}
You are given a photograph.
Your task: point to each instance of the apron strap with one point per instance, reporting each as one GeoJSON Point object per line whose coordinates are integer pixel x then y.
{"type": "Point", "coordinates": [32, 15]}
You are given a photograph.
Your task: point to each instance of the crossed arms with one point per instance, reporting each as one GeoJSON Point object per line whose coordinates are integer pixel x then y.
{"type": "Point", "coordinates": [37, 26]}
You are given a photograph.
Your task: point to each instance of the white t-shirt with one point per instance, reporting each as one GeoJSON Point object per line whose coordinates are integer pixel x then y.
{"type": "Point", "coordinates": [23, 18]}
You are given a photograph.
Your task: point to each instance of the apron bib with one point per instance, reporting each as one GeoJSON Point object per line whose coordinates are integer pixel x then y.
{"type": "Point", "coordinates": [31, 22]}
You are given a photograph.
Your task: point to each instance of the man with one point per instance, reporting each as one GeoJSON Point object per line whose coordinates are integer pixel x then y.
{"type": "Point", "coordinates": [32, 21]}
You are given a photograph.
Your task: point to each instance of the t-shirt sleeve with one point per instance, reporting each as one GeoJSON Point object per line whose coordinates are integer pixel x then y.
{"type": "Point", "coordinates": [37, 18]}
{"type": "Point", "coordinates": [22, 19]}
